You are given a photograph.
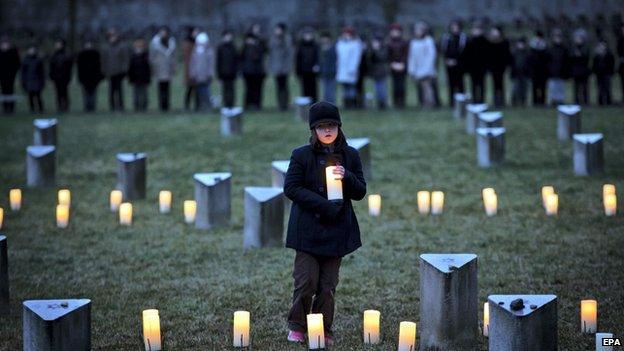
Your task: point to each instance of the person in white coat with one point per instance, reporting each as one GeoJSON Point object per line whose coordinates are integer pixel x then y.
{"type": "Point", "coordinates": [349, 54]}
{"type": "Point", "coordinates": [421, 64]}
{"type": "Point", "coordinates": [201, 70]}
{"type": "Point", "coordinates": [163, 61]}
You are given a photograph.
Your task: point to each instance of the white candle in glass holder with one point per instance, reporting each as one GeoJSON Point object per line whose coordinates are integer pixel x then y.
{"type": "Point", "coordinates": [424, 201]}
{"type": "Point", "coordinates": [552, 204]}
{"type": "Point", "coordinates": [334, 184]}
{"type": "Point", "coordinates": [437, 202]}
{"type": "Point", "coordinates": [486, 319]}
{"type": "Point", "coordinates": [371, 327]}
{"type": "Point", "coordinates": [116, 197]}
{"type": "Point", "coordinates": [64, 197]}
{"type": "Point", "coordinates": [1, 217]}
{"type": "Point", "coordinates": [190, 209]}
{"type": "Point", "coordinates": [164, 201]}
{"type": "Point", "coordinates": [610, 204]}
{"type": "Point", "coordinates": [62, 216]}
{"type": "Point", "coordinates": [125, 213]}
{"type": "Point", "coordinates": [546, 191]}
{"type": "Point", "coordinates": [599, 345]}
{"type": "Point", "coordinates": [15, 198]}
{"type": "Point", "coordinates": [407, 336]}
{"type": "Point", "coordinates": [589, 316]}
{"type": "Point", "coordinates": [241, 328]}
{"type": "Point", "coordinates": [316, 331]}
{"type": "Point", "coordinates": [490, 203]}
{"type": "Point", "coordinates": [151, 330]}
{"type": "Point", "coordinates": [374, 204]}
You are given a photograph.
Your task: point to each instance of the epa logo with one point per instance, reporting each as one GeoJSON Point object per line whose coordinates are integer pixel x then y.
{"type": "Point", "coordinates": [611, 342]}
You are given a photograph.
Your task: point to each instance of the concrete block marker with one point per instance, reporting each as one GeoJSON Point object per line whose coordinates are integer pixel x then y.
{"type": "Point", "coordinates": [588, 154]}
{"type": "Point", "coordinates": [362, 145]}
{"type": "Point", "coordinates": [278, 174]}
{"type": "Point", "coordinates": [490, 146]}
{"type": "Point", "coordinates": [40, 166]}
{"type": "Point", "coordinates": [448, 302]}
{"type": "Point", "coordinates": [4, 277]}
{"type": "Point", "coordinates": [213, 199]}
{"type": "Point", "coordinates": [57, 325]}
{"type": "Point", "coordinates": [568, 121]}
{"type": "Point", "coordinates": [132, 175]}
{"type": "Point", "coordinates": [490, 119]}
{"type": "Point", "coordinates": [231, 121]}
{"type": "Point", "coordinates": [523, 322]}
{"type": "Point", "coordinates": [264, 217]}
{"type": "Point", "coordinates": [302, 107]}
{"type": "Point", "coordinates": [472, 116]}
{"type": "Point", "coordinates": [45, 131]}
{"type": "Point", "coordinates": [459, 109]}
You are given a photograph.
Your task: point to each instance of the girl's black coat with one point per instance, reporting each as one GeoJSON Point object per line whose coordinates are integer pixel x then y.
{"type": "Point", "coordinates": [316, 225]}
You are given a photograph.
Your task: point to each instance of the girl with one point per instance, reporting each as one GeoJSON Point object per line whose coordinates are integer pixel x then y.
{"type": "Point", "coordinates": [321, 231]}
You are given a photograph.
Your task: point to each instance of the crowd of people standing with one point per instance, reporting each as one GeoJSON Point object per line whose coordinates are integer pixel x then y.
{"type": "Point", "coordinates": [539, 66]}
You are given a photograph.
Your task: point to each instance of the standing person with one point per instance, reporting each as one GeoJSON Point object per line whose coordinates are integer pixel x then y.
{"type": "Point", "coordinates": [33, 78]}
{"type": "Point", "coordinates": [163, 63]}
{"type": "Point", "coordinates": [520, 72]}
{"type": "Point", "coordinates": [452, 47]}
{"type": "Point", "coordinates": [227, 67]}
{"type": "Point", "coordinates": [115, 58]}
{"type": "Point", "coordinates": [378, 58]}
{"type": "Point", "coordinates": [539, 68]}
{"type": "Point", "coordinates": [327, 67]}
{"type": "Point", "coordinates": [349, 50]}
{"type": "Point", "coordinates": [620, 57]}
{"type": "Point", "coordinates": [360, 86]}
{"type": "Point", "coordinates": [280, 63]}
{"type": "Point", "coordinates": [61, 64]}
{"type": "Point", "coordinates": [187, 49]}
{"type": "Point", "coordinates": [603, 68]}
{"type": "Point", "coordinates": [9, 65]}
{"type": "Point", "coordinates": [421, 65]}
{"type": "Point", "coordinates": [498, 57]}
{"type": "Point", "coordinates": [319, 230]}
{"type": "Point", "coordinates": [397, 51]}
{"type": "Point", "coordinates": [475, 62]}
{"type": "Point", "coordinates": [140, 74]}
{"type": "Point", "coordinates": [90, 74]}
{"type": "Point", "coordinates": [308, 63]}
{"type": "Point", "coordinates": [558, 69]}
{"type": "Point", "coordinates": [201, 70]}
{"type": "Point", "coordinates": [252, 68]}
{"type": "Point", "coordinates": [579, 62]}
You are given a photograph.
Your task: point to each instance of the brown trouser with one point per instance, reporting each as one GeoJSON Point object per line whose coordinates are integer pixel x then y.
{"type": "Point", "coordinates": [316, 278]}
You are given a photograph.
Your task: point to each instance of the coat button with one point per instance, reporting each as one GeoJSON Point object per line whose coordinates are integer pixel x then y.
{"type": "Point", "coordinates": [317, 215]}
{"type": "Point", "coordinates": [321, 189]}
{"type": "Point", "coordinates": [322, 162]}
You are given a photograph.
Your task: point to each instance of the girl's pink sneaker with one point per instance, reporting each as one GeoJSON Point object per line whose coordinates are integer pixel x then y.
{"type": "Point", "coordinates": [296, 336]}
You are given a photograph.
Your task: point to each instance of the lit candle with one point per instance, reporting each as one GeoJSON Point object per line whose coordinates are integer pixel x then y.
{"type": "Point", "coordinates": [316, 332]}
{"type": "Point", "coordinates": [15, 197]}
{"type": "Point", "coordinates": [490, 202]}
{"type": "Point", "coordinates": [610, 204]}
{"type": "Point", "coordinates": [241, 329]}
{"type": "Point", "coordinates": [552, 203]}
{"type": "Point", "coordinates": [334, 184]}
{"type": "Point", "coordinates": [437, 202]}
{"type": "Point", "coordinates": [371, 327]}
{"type": "Point", "coordinates": [164, 201]}
{"type": "Point", "coordinates": [190, 208]}
{"type": "Point", "coordinates": [407, 336]}
{"type": "Point", "coordinates": [151, 330]}
{"type": "Point", "coordinates": [486, 319]}
{"type": "Point", "coordinates": [608, 189]}
{"type": "Point", "coordinates": [62, 216]}
{"type": "Point", "coordinates": [546, 191]}
{"type": "Point", "coordinates": [374, 204]}
{"type": "Point", "coordinates": [116, 197]}
{"type": "Point", "coordinates": [589, 316]}
{"type": "Point", "coordinates": [1, 216]}
{"type": "Point", "coordinates": [424, 200]}
{"type": "Point", "coordinates": [64, 197]}
{"type": "Point", "coordinates": [125, 213]}
{"type": "Point", "coordinates": [599, 337]}
{"type": "Point", "coordinates": [486, 191]}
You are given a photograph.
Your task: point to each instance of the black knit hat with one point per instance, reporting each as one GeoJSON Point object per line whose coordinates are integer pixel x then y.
{"type": "Point", "coordinates": [323, 112]}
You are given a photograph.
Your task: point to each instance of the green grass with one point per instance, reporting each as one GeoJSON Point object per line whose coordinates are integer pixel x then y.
{"type": "Point", "coordinates": [197, 279]}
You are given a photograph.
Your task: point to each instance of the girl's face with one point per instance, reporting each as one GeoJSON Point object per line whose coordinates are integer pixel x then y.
{"type": "Point", "coordinates": [326, 132]}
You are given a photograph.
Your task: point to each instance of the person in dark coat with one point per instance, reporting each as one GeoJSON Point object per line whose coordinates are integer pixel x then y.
{"type": "Point", "coordinates": [188, 44]}
{"type": "Point", "coordinates": [398, 48]}
{"type": "Point", "coordinates": [227, 67]}
{"type": "Point", "coordinates": [307, 64]}
{"type": "Point", "coordinates": [520, 72]}
{"type": "Point", "coordinates": [327, 67]}
{"type": "Point", "coordinates": [539, 68]}
{"type": "Point", "coordinates": [33, 78]}
{"type": "Point", "coordinates": [452, 47]}
{"type": "Point", "coordinates": [61, 64]}
{"type": "Point", "coordinates": [9, 66]}
{"type": "Point", "coordinates": [252, 67]}
{"type": "Point", "coordinates": [280, 63]}
{"type": "Point", "coordinates": [115, 58]}
{"type": "Point", "coordinates": [579, 64]}
{"type": "Point", "coordinates": [360, 86]}
{"type": "Point", "coordinates": [558, 69]}
{"type": "Point", "coordinates": [378, 69]}
{"type": "Point", "coordinates": [474, 61]}
{"type": "Point", "coordinates": [321, 231]}
{"type": "Point", "coordinates": [89, 74]}
{"type": "Point", "coordinates": [603, 67]}
{"type": "Point", "coordinates": [498, 57]}
{"type": "Point", "coordinates": [139, 74]}
{"type": "Point", "coordinates": [620, 57]}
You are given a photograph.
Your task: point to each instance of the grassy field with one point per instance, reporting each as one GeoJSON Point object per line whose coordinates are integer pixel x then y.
{"type": "Point", "coordinates": [197, 279]}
